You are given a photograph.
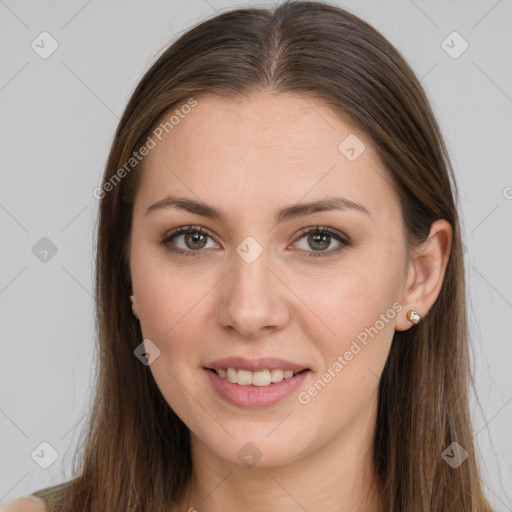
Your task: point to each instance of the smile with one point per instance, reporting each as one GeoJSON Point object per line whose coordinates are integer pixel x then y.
{"type": "Point", "coordinates": [261, 378]}
{"type": "Point", "coordinates": [261, 391]}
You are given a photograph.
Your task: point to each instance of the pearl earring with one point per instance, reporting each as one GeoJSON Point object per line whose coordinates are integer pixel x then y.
{"type": "Point", "coordinates": [132, 298]}
{"type": "Point", "coordinates": [413, 316]}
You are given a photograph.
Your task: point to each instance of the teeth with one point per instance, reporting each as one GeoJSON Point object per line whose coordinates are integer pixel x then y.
{"type": "Point", "coordinates": [232, 375]}
{"type": "Point", "coordinates": [276, 375]}
{"type": "Point", "coordinates": [258, 378]}
{"type": "Point", "coordinates": [244, 377]}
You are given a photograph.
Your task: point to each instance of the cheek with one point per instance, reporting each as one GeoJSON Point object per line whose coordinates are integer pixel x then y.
{"type": "Point", "coordinates": [178, 329]}
{"type": "Point", "coordinates": [363, 320]}
{"type": "Point", "coordinates": [346, 301]}
{"type": "Point", "coordinates": [175, 320]}
{"type": "Point", "coordinates": [169, 297]}
{"type": "Point", "coordinates": [357, 307]}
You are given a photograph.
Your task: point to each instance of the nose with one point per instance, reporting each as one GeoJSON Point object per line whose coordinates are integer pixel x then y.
{"type": "Point", "coordinates": [254, 300]}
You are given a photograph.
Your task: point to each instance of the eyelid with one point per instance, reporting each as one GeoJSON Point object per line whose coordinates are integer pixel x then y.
{"type": "Point", "coordinates": [324, 229]}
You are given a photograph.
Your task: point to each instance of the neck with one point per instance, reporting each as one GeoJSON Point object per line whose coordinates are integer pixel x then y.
{"type": "Point", "coordinates": [337, 477]}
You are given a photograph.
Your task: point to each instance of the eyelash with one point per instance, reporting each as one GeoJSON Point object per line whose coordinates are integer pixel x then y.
{"type": "Point", "coordinates": [345, 241]}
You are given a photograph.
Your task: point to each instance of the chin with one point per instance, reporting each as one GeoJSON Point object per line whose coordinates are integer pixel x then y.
{"type": "Point", "coordinates": [258, 449]}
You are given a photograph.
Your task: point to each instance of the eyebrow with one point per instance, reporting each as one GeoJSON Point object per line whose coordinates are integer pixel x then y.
{"type": "Point", "coordinates": [281, 215]}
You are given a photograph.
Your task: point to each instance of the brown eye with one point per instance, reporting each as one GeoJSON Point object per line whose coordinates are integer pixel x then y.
{"type": "Point", "coordinates": [318, 240]}
{"type": "Point", "coordinates": [187, 240]}
{"type": "Point", "coordinates": [195, 240]}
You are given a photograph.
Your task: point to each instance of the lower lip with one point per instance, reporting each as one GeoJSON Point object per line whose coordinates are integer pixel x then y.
{"type": "Point", "coordinates": [255, 396]}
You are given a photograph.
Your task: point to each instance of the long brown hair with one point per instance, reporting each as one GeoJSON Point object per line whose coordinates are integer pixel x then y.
{"type": "Point", "coordinates": [135, 453]}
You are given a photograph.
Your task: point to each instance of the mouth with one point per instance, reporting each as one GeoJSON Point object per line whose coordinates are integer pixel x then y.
{"type": "Point", "coordinates": [260, 378]}
{"type": "Point", "coordinates": [255, 383]}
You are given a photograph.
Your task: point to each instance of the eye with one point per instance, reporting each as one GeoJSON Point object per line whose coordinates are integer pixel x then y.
{"type": "Point", "coordinates": [319, 239]}
{"type": "Point", "coordinates": [194, 239]}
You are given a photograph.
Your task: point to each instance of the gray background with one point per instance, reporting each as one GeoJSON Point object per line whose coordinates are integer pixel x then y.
{"type": "Point", "coordinates": [58, 117]}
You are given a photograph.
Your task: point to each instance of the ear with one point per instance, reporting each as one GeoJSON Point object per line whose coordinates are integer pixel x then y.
{"type": "Point", "coordinates": [425, 273]}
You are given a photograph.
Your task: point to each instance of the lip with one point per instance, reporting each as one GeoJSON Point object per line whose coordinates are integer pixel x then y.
{"type": "Point", "coordinates": [241, 363]}
{"type": "Point", "coordinates": [255, 396]}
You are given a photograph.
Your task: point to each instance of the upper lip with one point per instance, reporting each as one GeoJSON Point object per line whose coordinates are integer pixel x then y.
{"type": "Point", "coordinates": [241, 363]}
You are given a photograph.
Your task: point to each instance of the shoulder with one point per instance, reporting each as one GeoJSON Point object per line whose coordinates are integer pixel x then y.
{"type": "Point", "coordinates": [25, 504]}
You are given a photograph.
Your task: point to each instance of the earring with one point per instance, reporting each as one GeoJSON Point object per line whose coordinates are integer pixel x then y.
{"type": "Point", "coordinates": [132, 298]}
{"type": "Point", "coordinates": [413, 316]}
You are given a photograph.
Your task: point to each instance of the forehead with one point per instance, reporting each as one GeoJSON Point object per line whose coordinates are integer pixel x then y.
{"type": "Point", "coordinates": [280, 147]}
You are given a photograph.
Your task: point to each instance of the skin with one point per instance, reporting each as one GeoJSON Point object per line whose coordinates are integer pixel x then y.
{"type": "Point", "coordinates": [248, 158]}
{"type": "Point", "coordinates": [25, 504]}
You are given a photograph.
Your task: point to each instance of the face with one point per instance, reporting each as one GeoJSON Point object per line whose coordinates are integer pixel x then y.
{"type": "Point", "coordinates": [317, 289]}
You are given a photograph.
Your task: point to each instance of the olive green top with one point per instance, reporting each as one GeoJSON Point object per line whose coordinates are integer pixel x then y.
{"type": "Point", "coordinates": [51, 494]}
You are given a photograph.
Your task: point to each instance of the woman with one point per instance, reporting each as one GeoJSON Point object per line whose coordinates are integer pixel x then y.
{"type": "Point", "coordinates": [280, 283]}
